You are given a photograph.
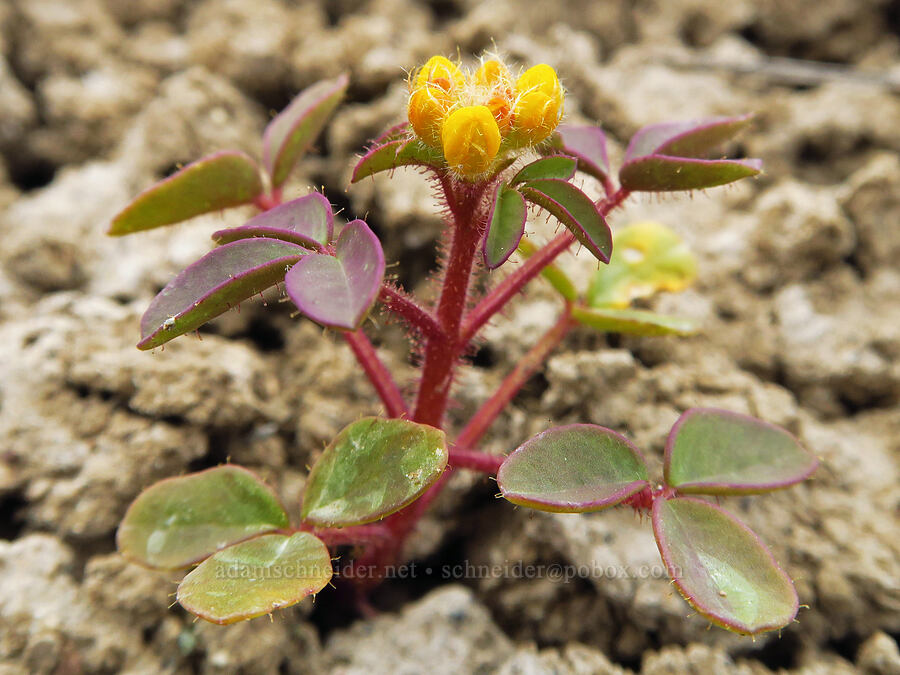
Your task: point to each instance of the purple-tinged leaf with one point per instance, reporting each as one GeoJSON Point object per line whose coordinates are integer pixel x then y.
{"type": "Point", "coordinates": [720, 452]}
{"type": "Point", "coordinates": [403, 151]}
{"type": "Point", "coordinates": [633, 321]}
{"type": "Point", "coordinates": [555, 166]}
{"type": "Point", "coordinates": [289, 135]}
{"type": "Point", "coordinates": [694, 138]}
{"type": "Point", "coordinates": [505, 226]}
{"type": "Point", "coordinates": [256, 577]}
{"type": "Point", "coordinates": [338, 291]}
{"type": "Point", "coordinates": [216, 182]}
{"type": "Point", "coordinates": [722, 568]}
{"type": "Point", "coordinates": [214, 284]}
{"type": "Point", "coordinates": [575, 210]}
{"type": "Point", "coordinates": [658, 173]}
{"type": "Point", "coordinates": [573, 469]}
{"type": "Point", "coordinates": [371, 469]}
{"type": "Point", "coordinates": [587, 144]}
{"type": "Point", "coordinates": [180, 521]}
{"type": "Point", "coordinates": [307, 221]}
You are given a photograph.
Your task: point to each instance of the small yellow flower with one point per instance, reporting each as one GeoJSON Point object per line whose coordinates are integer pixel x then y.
{"type": "Point", "coordinates": [471, 140]}
{"type": "Point", "coordinates": [441, 72]}
{"type": "Point", "coordinates": [493, 73]}
{"type": "Point", "coordinates": [539, 105]}
{"type": "Point", "coordinates": [428, 106]}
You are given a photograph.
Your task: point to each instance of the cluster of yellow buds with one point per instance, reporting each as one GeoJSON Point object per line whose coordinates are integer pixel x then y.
{"type": "Point", "coordinates": [474, 120]}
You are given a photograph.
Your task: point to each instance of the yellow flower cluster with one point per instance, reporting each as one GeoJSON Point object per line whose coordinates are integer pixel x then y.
{"type": "Point", "coordinates": [475, 119]}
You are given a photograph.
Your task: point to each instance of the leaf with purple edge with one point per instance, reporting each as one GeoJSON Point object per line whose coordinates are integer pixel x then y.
{"type": "Point", "coordinates": [395, 153]}
{"type": "Point", "coordinates": [573, 469]}
{"type": "Point", "coordinates": [307, 221]}
{"type": "Point", "coordinates": [289, 135]}
{"type": "Point", "coordinates": [693, 138]}
{"type": "Point", "coordinates": [506, 226]}
{"type": "Point", "coordinates": [658, 173]}
{"type": "Point", "coordinates": [555, 166]}
{"type": "Point", "coordinates": [633, 322]}
{"type": "Point", "coordinates": [214, 284]}
{"type": "Point", "coordinates": [180, 521]}
{"type": "Point", "coordinates": [722, 568]}
{"type": "Point", "coordinates": [574, 209]}
{"type": "Point", "coordinates": [587, 144]}
{"type": "Point", "coordinates": [720, 452]}
{"type": "Point", "coordinates": [372, 468]}
{"type": "Point", "coordinates": [216, 182]}
{"type": "Point", "coordinates": [671, 156]}
{"type": "Point", "coordinates": [256, 577]}
{"type": "Point", "coordinates": [338, 291]}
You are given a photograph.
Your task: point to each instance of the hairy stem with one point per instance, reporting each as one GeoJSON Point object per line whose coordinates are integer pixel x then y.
{"type": "Point", "coordinates": [442, 353]}
{"type": "Point", "coordinates": [400, 304]}
{"type": "Point", "coordinates": [461, 458]}
{"type": "Point", "coordinates": [377, 373]}
{"type": "Point", "coordinates": [533, 359]}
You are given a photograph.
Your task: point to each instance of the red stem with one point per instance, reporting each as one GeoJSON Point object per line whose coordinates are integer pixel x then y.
{"type": "Point", "coordinates": [460, 458]}
{"type": "Point", "coordinates": [377, 373]}
{"type": "Point", "coordinates": [442, 353]}
{"type": "Point", "coordinates": [399, 303]}
{"type": "Point", "coordinates": [359, 534]}
{"type": "Point", "coordinates": [490, 409]}
{"type": "Point", "coordinates": [494, 301]}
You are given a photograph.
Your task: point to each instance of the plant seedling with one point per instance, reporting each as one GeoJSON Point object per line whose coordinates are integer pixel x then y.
{"type": "Point", "coordinates": [492, 142]}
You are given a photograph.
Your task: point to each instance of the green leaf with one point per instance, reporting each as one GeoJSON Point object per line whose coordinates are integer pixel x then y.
{"type": "Point", "coordinates": [573, 469]}
{"type": "Point", "coordinates": [633, 322]}
{"type": "Point", "coordinates": [562, 168]}
{"type": "Point", "coordinates": [214, 284]}
{"type": "Point", "coordinates": [649, 258]}
{"type": "Point", "coordinates": [395, 153]}
{"type": "Point", "coordinates": [373, 468]}
{"type": "Point", "coordinates": [256, 577]}
{"type": "Point", "coordinates": [575, 210]}
{"type": "Point", "coordinates": [180, 521]}
{"type": "Point", "coordinates": [288, 136]}
{"type": "Point", "coordinates": [721, 568]}
{"type": "Point", "coordinates": [720, 452]}
{"type": "Point", "coordinates": [505, 228]}
{"type": "Point", "coordinates": [552, 272]}
{"type": "Point", "coordinates": [658, 173]}
{"type": "Point", "coordinates": [217, 182]}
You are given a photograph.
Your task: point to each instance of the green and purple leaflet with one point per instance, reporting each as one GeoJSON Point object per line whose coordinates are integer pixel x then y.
{"type": "Point", "coordinates": [338, 290]}
{"type": "Point", "coordinates": [307, 221]}
{"type": "Point", "coordinates": [554, 166]}
{"type": "Point", "coordinates": [671, 156]}
{"type": "Point", "coordinates": [371, 469]}
{"type": "Point", "coordinates": [256, 577]}
{"type": "Point", "coordinates": [180, 521]}
{"type": "Point", "coordinates": [506, 225]}
{"type": "Point", "coordinates": [721, 567]}
{"type": "Point", "coordinates": [395, 149]}
{"type": "Point", "coordinates": [216, 182]}
{"type": "Point", "coordinates": [220, 280]}
{"type": "Point", "coordinates": [720, 452]}
{"type": "Point", "coordinates": [587, 144]}
{"type": "Point", "coordinates": [288, 136]}
{"type": "Point", "coordinates": [573, 469]}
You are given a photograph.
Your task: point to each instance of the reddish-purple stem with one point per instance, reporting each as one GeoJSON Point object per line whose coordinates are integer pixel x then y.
{"type": "Point", "coordinates": [377, 373]}
{"type": "Point", "coordinates": [461, 458]}
{"type": "Point", "coordinates": [525, 368]}
{"type": "Point", "coordinates": [415, 316]}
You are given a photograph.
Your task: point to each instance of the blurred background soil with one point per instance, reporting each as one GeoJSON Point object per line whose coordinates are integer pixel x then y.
{"type": "Point", "coordinates": [799, 296]}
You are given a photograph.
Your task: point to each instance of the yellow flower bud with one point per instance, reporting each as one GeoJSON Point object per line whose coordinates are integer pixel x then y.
{"type": "Point", "coordinates": [428, 106]}
{"type": "Point", "coordinates": [539, 106]}
{"type": "Point", "coordinates": [471, 140]}
{"type": "Point", "coordinates": [493, 73]}
{"type": "Point", "coordinates": [441, 72]}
